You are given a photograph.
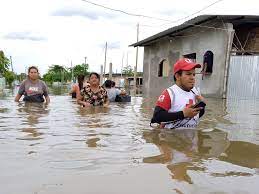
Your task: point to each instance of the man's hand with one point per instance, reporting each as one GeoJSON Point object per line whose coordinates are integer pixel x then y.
{"type": "Point", "coordinates": [190, 112]}
{"type": "Point", "coordinates": [199, 98]}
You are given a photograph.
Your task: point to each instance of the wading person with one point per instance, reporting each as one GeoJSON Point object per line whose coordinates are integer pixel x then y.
{"type": "Point", "coordinates": [175, 106]}
{"type": "Point", "coordinates": [112, 92]}
{"type": "Point", "coordinates": [33, 89]}
{"type": "Point", "coordinates": [76, 88]}
{"type": "Point", "coordinates": [93, 94]}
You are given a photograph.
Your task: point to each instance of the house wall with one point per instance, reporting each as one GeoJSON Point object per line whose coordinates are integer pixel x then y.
{"type": "Point", "coordinates": [196, 40]}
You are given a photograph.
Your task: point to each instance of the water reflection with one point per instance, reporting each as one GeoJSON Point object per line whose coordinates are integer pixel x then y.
{"type": "Point", "coordinates": [32, 112]}
{"type": "Point", "coordinates": [183, 150]}
{"type": "Point", "coordinates": [242, 153]}
{"type": "Point", "coordinates": [61, 90]}
{"type": "Point", "coordinates": [94, 145]}
{"type": "Point", "coordinates": [178, 149]}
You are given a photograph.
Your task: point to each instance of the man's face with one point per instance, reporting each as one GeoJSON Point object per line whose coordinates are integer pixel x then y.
{"type": "Point", "coordinates": [187, 79]}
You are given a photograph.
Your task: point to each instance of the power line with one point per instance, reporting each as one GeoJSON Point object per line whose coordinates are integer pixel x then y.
{"type": "Point", "coordinates": [125, 12]}
{"type": "Point", "coordinates": [169, 21]}
{"type": "Point", "coordinates": [206, 7]}
{"type": "Point", "coordinates": [151, 17]}
{"type": "Point", "coordinates": [175, 21]}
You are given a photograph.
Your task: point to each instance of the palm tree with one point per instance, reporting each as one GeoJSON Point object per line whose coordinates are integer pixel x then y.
{"type": "Point", "coordinates": [4, 63]}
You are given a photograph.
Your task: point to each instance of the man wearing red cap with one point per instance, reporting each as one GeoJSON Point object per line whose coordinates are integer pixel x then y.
{"type": "Point", "coordinates": [174, 107]}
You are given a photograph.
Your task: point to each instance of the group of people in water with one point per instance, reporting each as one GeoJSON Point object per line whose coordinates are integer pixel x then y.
{"type": "Point", "coordinates": [176, 107]}
{"type": "Point", "coordinates": [87, 92]}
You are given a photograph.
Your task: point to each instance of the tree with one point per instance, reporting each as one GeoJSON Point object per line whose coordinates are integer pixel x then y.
{"type": "Point", "coordinates": [21, 76]}
{"type": "Point", "coordinates": [9, 77]}
{"type": "Point", "coordinates": [128, 71]}
{"type": "Point", "coordinates": [81, 69]}
{"type": "Point", "coordinates": [56, 73]}
{"type": "Point", "coordinates": [4, 63]}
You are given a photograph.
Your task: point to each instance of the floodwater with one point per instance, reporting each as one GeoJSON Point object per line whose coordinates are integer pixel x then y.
{"type": "Point", "coordinates": [62, 148]}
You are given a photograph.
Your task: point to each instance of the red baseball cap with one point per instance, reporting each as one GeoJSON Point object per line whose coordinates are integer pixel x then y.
{"type": "Point", "coordinates": [185, 65]}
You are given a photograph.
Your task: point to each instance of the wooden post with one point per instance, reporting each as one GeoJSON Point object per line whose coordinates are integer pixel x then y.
{"type": "Point", "coordinates": [101, 77]}
{"type": "Point", "coordinates": [110, 71]}
{"type": "Point", "coordinates": [136, 67]}
{"type": "Point", "coordinates": [105, 60]}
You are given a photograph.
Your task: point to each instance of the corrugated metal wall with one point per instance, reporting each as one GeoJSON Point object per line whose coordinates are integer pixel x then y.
{"type": "Point", "coordinates": [243, 80]}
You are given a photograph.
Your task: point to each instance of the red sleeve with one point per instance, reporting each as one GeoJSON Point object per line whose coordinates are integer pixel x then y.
{"type": "Point", "coordinates": [164, 100]}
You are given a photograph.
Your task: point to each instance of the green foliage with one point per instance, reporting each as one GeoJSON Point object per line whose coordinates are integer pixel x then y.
{"type": "Point", "coordinates": [81, 69]}
{"type": "Point", "coordinates": [58, 73]}
{"type": "Point", "coordinates": [4, 63]}
{"type": "Point", "coordinates": [128, 71]}
{"type": "Point", "coordinates": [21, 77]}
{"type": "Point", "coordinates": [9, 77]}
{"type": "Point", "coordinates": [140, 74]}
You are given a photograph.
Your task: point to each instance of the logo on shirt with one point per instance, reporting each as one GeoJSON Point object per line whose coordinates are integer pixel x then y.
{"type": "Point", "coordinates": [188, 60]}
{"type": "Point", "coordinates": [161, 98]}
{"type": "Point", "coordinates": [190, 103]}
{"type": "Point", "coordinates": [33, 89]}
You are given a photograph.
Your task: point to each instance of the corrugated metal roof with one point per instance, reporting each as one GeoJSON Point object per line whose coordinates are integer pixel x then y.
{"type": "Point", "coordinates": [196, 21]}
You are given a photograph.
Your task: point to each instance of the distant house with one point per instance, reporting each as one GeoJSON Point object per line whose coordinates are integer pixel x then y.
{"type": "Point", "coordinates": [123, 80]}
{"type": "Point", "coordinates": [227, 44]}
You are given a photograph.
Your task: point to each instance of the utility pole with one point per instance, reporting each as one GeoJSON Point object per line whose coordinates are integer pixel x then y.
{"type": "Point", "coordinates": [101, 80]}
{"type": "Point", "coordinates": [110, 71]}
{"type": "Point", "coordinates": [136, 66]}
{"type": "Point", "coordinates": [72, 72]}
{"type": "Point", "coordinates": [11, 62]}
{"type": "Point", "coordinates": [85, 66]}
{"type": "Point", "coordinates": [105, 55]}
{"type": "Point", "coordinates": [62, 76]}
{"type": "Point", "coordinates": [127, 58]}
{"type": "Point", "coordinates": [122, 63]}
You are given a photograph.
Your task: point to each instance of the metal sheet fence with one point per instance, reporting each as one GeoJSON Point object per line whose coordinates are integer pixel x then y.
{"type": "Point", "coordinates": [243, 80]}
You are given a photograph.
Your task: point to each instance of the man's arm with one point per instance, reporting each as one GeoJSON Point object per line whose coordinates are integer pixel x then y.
{"type": "Point", "coordinates": [163, 105]}
{"type": "Point", "coordinates": [162, 115]}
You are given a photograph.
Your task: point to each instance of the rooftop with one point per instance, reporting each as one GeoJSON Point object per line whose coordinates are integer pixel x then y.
{"type": "Point", "coordinates": [236, 20]}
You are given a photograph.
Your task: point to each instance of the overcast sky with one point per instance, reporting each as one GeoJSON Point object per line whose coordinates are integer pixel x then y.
{"type": "Point", "coordinates": [45, 32]}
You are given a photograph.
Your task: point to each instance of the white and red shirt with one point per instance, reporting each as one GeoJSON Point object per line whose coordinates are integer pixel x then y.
{"type": "Point", "coordinates": [175, 99]}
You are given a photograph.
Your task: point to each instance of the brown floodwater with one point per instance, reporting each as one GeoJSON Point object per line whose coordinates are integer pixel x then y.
{"type": "Point", "coordinates": [63, 148]}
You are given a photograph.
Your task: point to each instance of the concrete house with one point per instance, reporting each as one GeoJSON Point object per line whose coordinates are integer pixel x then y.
{"type": "Point", "coordinates": [229, 43]}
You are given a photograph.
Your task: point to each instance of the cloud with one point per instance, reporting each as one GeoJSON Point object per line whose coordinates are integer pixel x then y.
{"type": "Point", "coordinates": [90, 14]}
{"type": "Point", "coordinates": [24, 36]}
{"type": "Point", "coordinates": [114, 45]}
{"type": "Point", "coordinates": [172, 14]}
{"type": "Point", "coordinates": [111, 45]}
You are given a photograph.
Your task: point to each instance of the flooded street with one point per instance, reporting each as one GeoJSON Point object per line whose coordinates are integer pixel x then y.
{"type": "Point", "coordinates": [62, 148]}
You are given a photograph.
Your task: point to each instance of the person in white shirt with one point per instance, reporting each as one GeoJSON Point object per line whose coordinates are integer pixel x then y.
{"type": "Point", "coordinates": [175, 106]}
{"type": "Point", "coordinates": [112, 91]}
